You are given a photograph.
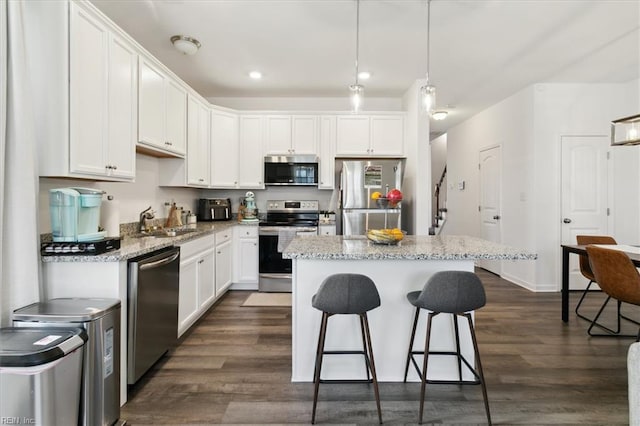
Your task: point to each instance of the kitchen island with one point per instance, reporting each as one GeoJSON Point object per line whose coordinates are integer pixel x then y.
{"type": "Point", "coordinates": [396, 270]}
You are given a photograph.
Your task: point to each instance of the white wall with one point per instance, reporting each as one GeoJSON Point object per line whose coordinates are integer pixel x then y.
{"type": "Point", "coordinates": [145, 192]}
{"type": "Point", "coordinates": [416, 206]}
{"type": "Point", "coordinates": [133, 197]}
{"type": "Point", "coordinates": [528, 126]}
{"type": "Point", "coordinates": [509, 125]}
{"type": "Point", "coordinates": [323, 196]}
{"type": "Point", "coordinates": [306, 104]}
{"type": "Point", "coordinates": [579, 109]}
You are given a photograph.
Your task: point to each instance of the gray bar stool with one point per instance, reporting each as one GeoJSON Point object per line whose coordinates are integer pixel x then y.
{"type": "Point", "coordinates": [346, 294]}
{"type": "Point", "coordinates": [456, 293]}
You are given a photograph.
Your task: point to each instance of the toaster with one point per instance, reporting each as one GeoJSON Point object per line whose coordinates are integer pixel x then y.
{"type": "Point", "coordinates": [210, 209]}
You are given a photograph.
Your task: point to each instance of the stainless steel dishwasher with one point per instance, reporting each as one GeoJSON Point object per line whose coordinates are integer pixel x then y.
{"type": "Point", "coordinates": [154, 280]}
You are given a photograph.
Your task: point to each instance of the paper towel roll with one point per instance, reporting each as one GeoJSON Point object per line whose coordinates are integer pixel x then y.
{"type": "Point", "coordinates": [110, 213]}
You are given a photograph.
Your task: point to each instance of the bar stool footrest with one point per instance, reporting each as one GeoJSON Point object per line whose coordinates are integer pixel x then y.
{"type": "Point", "coordinates": [449, 382]}
{"type": "Point", "coordinates": [346, 381]}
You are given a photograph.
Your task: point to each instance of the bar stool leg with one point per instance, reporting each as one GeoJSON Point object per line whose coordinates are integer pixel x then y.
{"type": "Point", "coordinates": [318, 368]}
{"type": "Point", "coordinates": [364, 348]}
{"type": "Point", "coordinates": [373, 365]}
{"type": "Point", "coordinates": [413, 335]}
{"type": "Point", "coordinates": [459, 356]}
{"type": "Point", "coordinates": [479, 367]}
{"type": "Point", "coordinates": [424, 365]}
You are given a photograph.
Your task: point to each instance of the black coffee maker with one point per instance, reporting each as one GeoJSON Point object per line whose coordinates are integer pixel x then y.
{"type": "Point", "coordinates": [210, 209]}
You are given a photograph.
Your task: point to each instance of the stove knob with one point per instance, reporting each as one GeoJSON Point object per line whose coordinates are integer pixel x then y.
{"type": "Point", "coordinates": [82, 247]}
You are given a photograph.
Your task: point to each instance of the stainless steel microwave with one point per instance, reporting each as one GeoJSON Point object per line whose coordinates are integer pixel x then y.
{"type": "Point", "coordinates": [300, 170]}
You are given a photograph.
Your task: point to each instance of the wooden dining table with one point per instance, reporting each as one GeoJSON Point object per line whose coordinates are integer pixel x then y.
{"type": "Point", "coordinates": [580, 249]}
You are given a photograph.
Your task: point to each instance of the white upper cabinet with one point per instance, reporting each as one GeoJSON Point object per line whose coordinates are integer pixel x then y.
{"type": "Point", "coordinates": [327, 152]}
{"type": "Point", "coordinates": [87, 125]}
{"type": "Point", "coordinates": [304, 135]}
{"type": "Point", "coordinates": [251, 161]}
{"type": "Point", "coordinates": [197, 143]}
{"type": "Point", "coordinates": [236, 151]}
{"type": "Point", "coordinates": [352, 135]}
{"type": "Point", "coordinates": [89, 92]}
{"type": "Point", "coordinates": [376, 135]}
{"type": "Point", "coordinates": [277, 138]}
{"type": "Point", "coordinates": [387, 135]}
{"type": "Point", "coordinates": [291, 135]}
{"type": "Point", "coordinates": [123, 108]}
{"type": "Point", "coordinates": [162, 111]}
{"type": "Point", "coordinates": [225, 149]}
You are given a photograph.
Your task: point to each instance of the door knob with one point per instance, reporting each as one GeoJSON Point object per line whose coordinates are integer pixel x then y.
{"type": "Point", "coordinates": [566, 220]}
{"type": "Point", "coordinates": [496, 217]}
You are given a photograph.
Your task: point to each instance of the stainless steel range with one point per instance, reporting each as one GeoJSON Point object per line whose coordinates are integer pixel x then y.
{"type": "Point", "coordinates": [285, 220]}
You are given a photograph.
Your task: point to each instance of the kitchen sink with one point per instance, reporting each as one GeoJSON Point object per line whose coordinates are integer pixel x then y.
{"type": "Point", "coordinates": [164, 233]}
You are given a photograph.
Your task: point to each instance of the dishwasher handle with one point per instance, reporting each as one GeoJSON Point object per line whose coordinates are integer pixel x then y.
{"type": "Point", "coordinates": [158, 263]}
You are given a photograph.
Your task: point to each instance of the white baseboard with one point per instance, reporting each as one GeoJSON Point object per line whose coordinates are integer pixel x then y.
{"type": "Point", "coordinates": [530, 286]}
{"type": "Point", "coordinates": [244, 286]}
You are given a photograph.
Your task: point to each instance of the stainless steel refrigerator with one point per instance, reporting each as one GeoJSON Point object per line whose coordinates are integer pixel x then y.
{"type": "Point", "coordinates": [358, 180]}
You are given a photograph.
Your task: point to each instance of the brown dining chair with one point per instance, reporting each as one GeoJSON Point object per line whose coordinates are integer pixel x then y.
{"type": "Point", "coordinates": [585, 268]}
{"type": "Point", "coordinates": [617, 276]}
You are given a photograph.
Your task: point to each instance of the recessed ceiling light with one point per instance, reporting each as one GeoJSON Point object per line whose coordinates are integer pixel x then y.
{"type": "Point", "coordinates": [364, 75]}
{"type": "Point", "coordinates": [256, 75]}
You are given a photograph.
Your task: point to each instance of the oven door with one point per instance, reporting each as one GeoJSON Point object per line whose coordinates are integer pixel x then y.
{"type": "Point", "coordinates": [274, 271]}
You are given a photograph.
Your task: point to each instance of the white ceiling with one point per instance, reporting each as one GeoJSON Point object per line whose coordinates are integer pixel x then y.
{"type": "Point", "coordinates": [481, 50]}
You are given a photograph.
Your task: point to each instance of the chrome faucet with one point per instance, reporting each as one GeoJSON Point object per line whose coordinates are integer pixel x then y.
{"type": "Point", "coordinates": [144, 216]}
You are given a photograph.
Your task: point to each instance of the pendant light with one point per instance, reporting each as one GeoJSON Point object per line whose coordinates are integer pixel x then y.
{"type": "Point", "coordinates": [428, 91]}
{"type": "Point", "coordinates": [357, 90]}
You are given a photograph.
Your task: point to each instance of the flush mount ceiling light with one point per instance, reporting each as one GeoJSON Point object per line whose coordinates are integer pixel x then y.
{"type": "Point", "coordinates": [357, 90]}
{"type": "Point", "coordinates": [185, 44]}
{"type": "Point", "coordinates": [440, 114]}
{"type": "Point", "coordinates": [256, 75]}
{"type": "Point", "coordinates": [428, 91]}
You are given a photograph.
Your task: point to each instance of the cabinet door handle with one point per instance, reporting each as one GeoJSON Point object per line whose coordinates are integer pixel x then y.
{"type": "Point", "coordinates": [114, 167]}
{"type": "Point", "coordinates": [566, 220]}
{"type": "Point", "coordinates": [201, 261]}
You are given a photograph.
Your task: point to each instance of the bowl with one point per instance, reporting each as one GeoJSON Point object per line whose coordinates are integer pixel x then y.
{"type": "Point", "coordinates": [385, 236]}
{"type": "Point", "coordinates": [382, 202]}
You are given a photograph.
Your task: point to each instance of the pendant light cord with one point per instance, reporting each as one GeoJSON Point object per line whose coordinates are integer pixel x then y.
{"type": "Point", "coordinates": [428, 38]}
{"type": "Point", "coordinates": [357, 37]}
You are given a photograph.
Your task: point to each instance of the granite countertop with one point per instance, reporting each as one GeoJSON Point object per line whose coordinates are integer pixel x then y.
{"type": "Point", "coordinates": [131, 247]}
{"type": "Point", "coordinates": [412, 247]}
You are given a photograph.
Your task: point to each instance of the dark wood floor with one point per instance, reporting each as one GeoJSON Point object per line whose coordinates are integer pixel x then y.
{"type": "Point", "coordinates": [234, 367]}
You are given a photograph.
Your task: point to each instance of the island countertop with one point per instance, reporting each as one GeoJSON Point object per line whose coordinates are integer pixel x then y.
{"type": "Point", "coordinates": [412, 247]}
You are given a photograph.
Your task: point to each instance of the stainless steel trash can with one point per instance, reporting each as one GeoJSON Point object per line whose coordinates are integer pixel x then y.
{"type": "Point", "coordinates": [100, 318]}
{"type": "Point", "coordinates": [40, 375]}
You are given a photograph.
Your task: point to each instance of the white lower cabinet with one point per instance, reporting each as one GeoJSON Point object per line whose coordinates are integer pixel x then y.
{"type": "Point", "coordinates": [245, 275]}
{"type": "Point", "coordinates": [197, 280]}
{"type": "Point", "coordinates": [224, 261]}
{"type": "Point", "coordinates": [326, 229]}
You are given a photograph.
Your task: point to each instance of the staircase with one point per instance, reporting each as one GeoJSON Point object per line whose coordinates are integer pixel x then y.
{"type": "Point", "coordinates": [440, 216]}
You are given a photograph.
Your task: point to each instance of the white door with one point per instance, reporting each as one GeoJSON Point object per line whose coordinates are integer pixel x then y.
{"type": "Point", "coordinates": [584, 194]}
{"type": "Point", "coordinates": [490, 202]}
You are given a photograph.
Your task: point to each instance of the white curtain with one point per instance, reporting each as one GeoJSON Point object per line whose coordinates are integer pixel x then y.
{"type": "Point", "coordinates": [19, 236]}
